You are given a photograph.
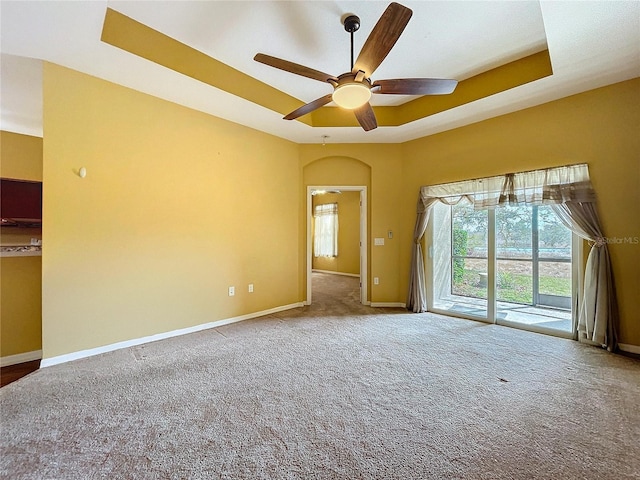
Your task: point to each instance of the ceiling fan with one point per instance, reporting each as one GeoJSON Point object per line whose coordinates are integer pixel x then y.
{"type": "Point", "coordinates": [352, 90]}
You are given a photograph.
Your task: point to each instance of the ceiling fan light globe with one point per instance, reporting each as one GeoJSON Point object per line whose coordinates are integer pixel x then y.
{"type": "Point", "coordinates": [351, 95]}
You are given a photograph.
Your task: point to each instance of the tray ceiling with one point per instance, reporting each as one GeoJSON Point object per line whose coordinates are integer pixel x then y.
{"type": "Point", "coordinates": [589, 44]}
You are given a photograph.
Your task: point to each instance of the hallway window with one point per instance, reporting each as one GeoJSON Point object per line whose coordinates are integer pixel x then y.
{"type": "Point", "coordinates": [325, 234]}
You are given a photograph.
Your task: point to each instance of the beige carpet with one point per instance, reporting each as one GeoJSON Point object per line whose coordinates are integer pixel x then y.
{"type": "Point", "coordinates": [332, 391]}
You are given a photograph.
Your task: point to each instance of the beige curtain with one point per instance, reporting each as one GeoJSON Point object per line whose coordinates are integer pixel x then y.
{"type": "Point", "coordinates": [417, 296]}
{"type": "Point", "coordinates": [569, 190]}
{"type": "Point", "coordinates": [416, 299]}
{"type": "Point", "coordinates": [598, 315]}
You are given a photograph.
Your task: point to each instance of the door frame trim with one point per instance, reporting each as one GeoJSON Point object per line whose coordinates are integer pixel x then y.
{"type": "Point", "coordinates": [364, 259]}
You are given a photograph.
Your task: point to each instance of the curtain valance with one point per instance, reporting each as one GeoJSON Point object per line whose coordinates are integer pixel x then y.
{"type": "Point", "coordinates": [536, 187]}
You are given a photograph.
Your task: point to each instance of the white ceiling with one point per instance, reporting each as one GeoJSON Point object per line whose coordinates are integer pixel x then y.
{"type": "Point", "coordinates": [591, 44]}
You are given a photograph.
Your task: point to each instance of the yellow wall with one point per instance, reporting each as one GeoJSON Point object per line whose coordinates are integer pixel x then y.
{"type": "Point", "coordinates": [19, 235]}
{"type": "Point", "coordinates": [176, 207]}
{"type": "Point", "coordinates": [20, 277]}
{"type": "Point", "coordinates": [348, 259]}
{"type": "Point", "coordinates": [21, 305]}
{"type": "Point", "coordinates": [20, 156]}
{"type": "Point", "coordinates": [600, 127]}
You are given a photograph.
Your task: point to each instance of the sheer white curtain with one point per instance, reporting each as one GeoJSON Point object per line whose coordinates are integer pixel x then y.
{"type": "Point", "coordinates": [570, 192]}
{"type": "Point", "coordinates": [325, 234]}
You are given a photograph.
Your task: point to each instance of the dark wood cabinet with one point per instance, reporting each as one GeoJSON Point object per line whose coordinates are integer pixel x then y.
{"type": "Point", "coordinates": [20, 202]}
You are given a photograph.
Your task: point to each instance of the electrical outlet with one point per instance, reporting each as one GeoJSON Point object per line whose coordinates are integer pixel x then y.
{"type": "Point", "coordinates": [251, 288]}
{"type": "Point", "coordinates": [376, 281]}
{"type": "Point", "coordinates": [232, 291]}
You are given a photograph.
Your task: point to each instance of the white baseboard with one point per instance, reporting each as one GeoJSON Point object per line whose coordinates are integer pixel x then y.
{"type": "Point", "coordinates": [389, 304]}
{"type": "Point", "coordinates": [625, 347]}
{"type": "Point", "coordinates": [336, 273]}
{"type": "Point", "coordinates": [20, 358]}
{"type": "Point", "coordinates": [47, 362]}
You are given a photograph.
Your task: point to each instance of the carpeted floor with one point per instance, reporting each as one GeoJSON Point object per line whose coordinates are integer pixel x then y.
{"type": "Point", "coordinates": [332, 391]}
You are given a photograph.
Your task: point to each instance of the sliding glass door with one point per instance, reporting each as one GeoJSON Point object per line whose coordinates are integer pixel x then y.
{"type": "Point", "coordinates": [533, 252]}
{"type": "Point", "coordinates": [510, 265]}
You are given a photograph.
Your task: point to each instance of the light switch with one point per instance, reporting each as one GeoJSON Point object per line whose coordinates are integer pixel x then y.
{"type": "Point", "coordinates": [378, 241]}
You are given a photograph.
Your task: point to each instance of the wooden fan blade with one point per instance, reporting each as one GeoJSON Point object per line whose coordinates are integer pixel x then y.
{"type": "Point", "coordinates": [309, 107]}
{"type": "Point", "coordinates": [415, 86]}
{"type": "Point", "coordinates": [294, 68]}
{"type": "Point", "coordinates": [366, 117]}
{"type": "Point", "coordinates": [382, 38]}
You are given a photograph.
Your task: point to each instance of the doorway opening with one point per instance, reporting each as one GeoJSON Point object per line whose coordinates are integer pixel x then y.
{"type": "Point", "coordinates": [357, 232]}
